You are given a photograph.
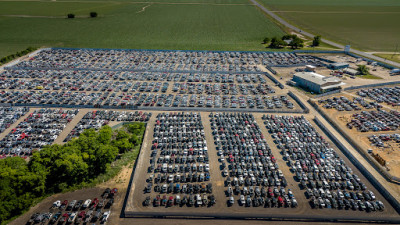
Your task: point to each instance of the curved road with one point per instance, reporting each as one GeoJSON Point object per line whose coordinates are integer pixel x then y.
{"type": "Point", "coordinates": [286, 24]}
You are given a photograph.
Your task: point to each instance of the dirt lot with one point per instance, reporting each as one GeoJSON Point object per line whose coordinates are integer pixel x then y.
{"type": "Point", "coordinates": [342, 118]}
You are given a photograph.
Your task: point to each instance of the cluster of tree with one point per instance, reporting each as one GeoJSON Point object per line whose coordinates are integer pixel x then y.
{"type": "Point", "coordinates": [93, 14]}
{"type": "Point", "coordinates": [363, 69]}
{"type": "Point", "coordinates": [71, 15]}
{"type": "Point", "coordinates": [316, 40]}
{"type": "Point", "coordinates": [9, 58]}
{"type": "Point", "coordinates": [276, 42]}
{"type": "Point", "coordinates": [58, 167]}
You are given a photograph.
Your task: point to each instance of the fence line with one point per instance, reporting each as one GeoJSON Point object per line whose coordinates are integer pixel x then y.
{"type": "Point", "coordinates": [328, 93]}
{"type": "Point", "coordinates": [371, 85]}
{"type": "Point", "coordinates": [370, 60]}
{"type": "Point", "coordinates": [382, 190]}
{"type": "Point", "coordinates": [304, 107]}
{"type": "Point", "coordinates": [279, 84]}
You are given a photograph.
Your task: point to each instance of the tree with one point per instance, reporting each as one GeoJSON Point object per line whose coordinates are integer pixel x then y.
{"type": "Point", "coordinates": [266, 40]}
{"type": "Point", "coordinates": [93, 14]}
{"type": "Point", "coordinates": [317, 40]}
{"type": "Point", "coordinates": [289, 37]}
{"type": "Point", "coordinates": [363, 69]}
{"type": "Point", "coordinates": [71, 16]}
{"type": "Point", "coordinates": [296, 43]}
{"type": "Point", "coordinates": [277, 43]}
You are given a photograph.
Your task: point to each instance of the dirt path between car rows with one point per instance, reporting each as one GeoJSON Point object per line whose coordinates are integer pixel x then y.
{"type": "Point", "coordinates": [14, 125]}
{"type": "Point", "coordinates": [71, 125]}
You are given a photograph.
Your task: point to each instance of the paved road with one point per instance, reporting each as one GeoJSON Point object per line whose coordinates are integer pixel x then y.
{"type": "Point", "coordinates": [280, 20]}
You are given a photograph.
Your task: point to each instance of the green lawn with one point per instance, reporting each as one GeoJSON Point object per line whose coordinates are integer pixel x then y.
{"type": "Point", "coordinates": [209, 26]}
{"type": "Point", "coordinates": [371, 25]}
{"type": "Point", "coordinates": [369, 76]}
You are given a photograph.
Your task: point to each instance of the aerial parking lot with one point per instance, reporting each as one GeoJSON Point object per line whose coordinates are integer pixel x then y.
{"type": "Point", "coordinates": [224, 137]}
{"type": "Point", "coordinates": [234, 81]}
{"type": "Point", "coordinates": [370, 116]}
{"type": "Point", "coordinates": [248, 168]}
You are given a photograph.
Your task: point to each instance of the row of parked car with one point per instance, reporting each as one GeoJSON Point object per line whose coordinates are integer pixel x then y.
{"type": "Point", "coordinates": [52, 77]}
{"type": "Point", "coordinates": [9, 115]}
{"type": "Point", "coordinates": [316, 165]}
{"type": "Point", "coordinates": [245, 158]}
{"type": "Point", "coordinates": [379, 140]}
{"type": "Point", "coordinates": [389, 95]}
{"type": "Point", "coordinates": [343, 103]}
{"type": "Point", "coordinates": [144, 99]}
{"type": "Point", "coordinates": [179, 162]}
{"type": "Point", "coordinates": [379, 120]}
{"type": "Point", "coordinates": [133, 87]}
{"type": "Point", "coordinates": [40, 128]}
{"type": "Point", "coordinates": [99, 118]}
{"type": "Point", "coordinates": [78, 211]}
{"type": "Point", "coordinates": [222, 89]}
{"type": "Point", "coordinates": [191, 200]}
{"type": "Point", "coordinates": [161, 60]}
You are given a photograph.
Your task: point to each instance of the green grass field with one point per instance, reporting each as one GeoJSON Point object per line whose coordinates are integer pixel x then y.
{"type": "Point", "coordinates": [185, 24]}
{"type": "Point", "coordinates": [371, 25]}
{"type": "Point", "coordinates": [391, 57]}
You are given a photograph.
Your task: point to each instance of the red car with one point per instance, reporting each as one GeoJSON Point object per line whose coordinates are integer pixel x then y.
{"type": "Point", "coordinates": [170, 201]}
{"type": "Point", "coordinates": [280, 200]}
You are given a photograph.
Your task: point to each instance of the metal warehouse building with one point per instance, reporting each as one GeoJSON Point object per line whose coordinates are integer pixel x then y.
{"type": "Point", "coordinates": [338, 66]}
{"type": "Point", "coordinates": [316, 82]}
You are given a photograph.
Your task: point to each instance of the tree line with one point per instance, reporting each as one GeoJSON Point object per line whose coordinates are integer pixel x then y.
{"type": "Point", "coordinates": [56, 168]}
{"type": "Point", "coordinates": [291, 40]}
{"type": "Point", "coordinates": [11, 57]}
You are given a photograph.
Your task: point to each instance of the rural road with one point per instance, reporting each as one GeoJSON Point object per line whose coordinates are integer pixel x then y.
{"type": "Point", "coordinates": [283, 22]}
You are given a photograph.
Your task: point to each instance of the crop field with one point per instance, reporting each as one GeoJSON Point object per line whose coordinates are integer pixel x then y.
{"type": "Point", "coordinates": [370, 25]}
{"type": "Point", "coordinates": [197, 25]}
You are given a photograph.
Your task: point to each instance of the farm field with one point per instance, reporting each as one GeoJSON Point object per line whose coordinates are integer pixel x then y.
{"type": "Point", "coordinates": [368, 25]}
{"type": "Point", "coordinates": [195, 25]}
{"type": "Point", "coordinates": [395, 58]}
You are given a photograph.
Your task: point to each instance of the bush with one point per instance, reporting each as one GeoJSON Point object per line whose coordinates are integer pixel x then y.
{"type": "Point", "coordinates": [71, 16]}
{"type": "Point", "coordinates": [93, 14]}
{"type": "Point", "coordinates": [266, 40]}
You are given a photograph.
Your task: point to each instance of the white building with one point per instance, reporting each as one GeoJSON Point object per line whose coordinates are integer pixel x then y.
{"type": "Point", "coordinates": [317, 83]}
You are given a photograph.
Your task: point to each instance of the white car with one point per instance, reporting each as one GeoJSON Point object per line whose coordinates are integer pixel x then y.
{"type": "Point", "coordinates": [86, 203]}
{"type": "Point", "coordinates": [242, 200]}
{"type": "Point", "coordinates": [72, 217]}
{"type": "Point", "coordinates": [105, 216]}
{"type": "Point", "coordinates": [57, 204]}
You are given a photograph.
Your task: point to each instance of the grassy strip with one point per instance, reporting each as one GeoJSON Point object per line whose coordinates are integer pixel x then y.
{"type": "Point", "coordinates": [391, 57]}
{"type": "Point", "coordinates": [369, 76]}
{"type": "Point", "coordinates": [11, 57]}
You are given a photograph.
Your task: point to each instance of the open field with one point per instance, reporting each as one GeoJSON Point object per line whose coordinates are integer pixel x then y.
{"type": "Point", "coordinates": [212, 25]}
{"type": "Point", "coordinates": [395, 58]}
{"type": "Point", "coordinates": [367, 25]}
